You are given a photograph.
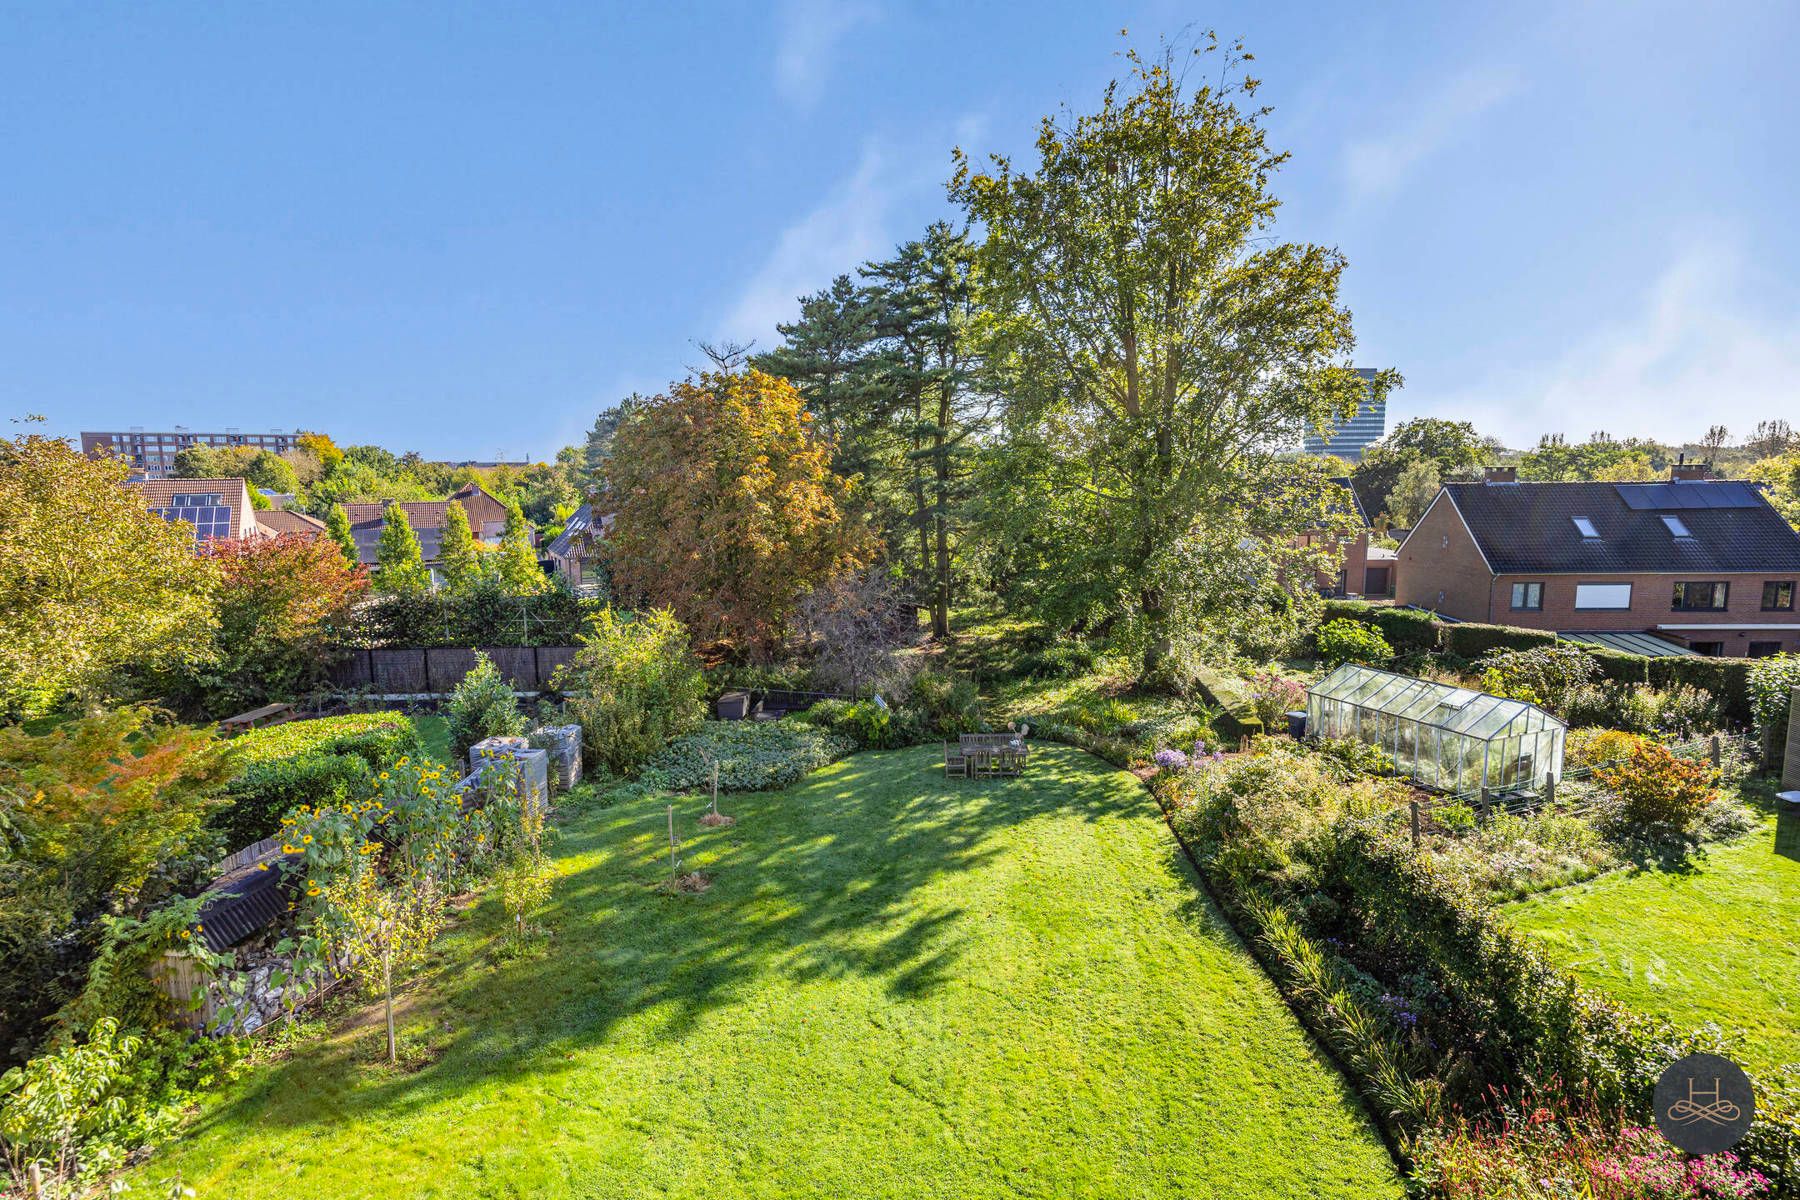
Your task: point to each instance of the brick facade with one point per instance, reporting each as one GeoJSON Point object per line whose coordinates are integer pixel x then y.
{"type": "Point", "coordinates": [1441, 568]}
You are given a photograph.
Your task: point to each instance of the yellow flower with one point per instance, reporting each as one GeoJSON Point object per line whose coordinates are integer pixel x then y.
{"type": "Point", "coordinates": [287, 849]}
{"type": "Point", "coordinates": [307, 840]}
{"type": "Point", "coordinates": [383, 775]}
{"type": "Point", "coordinates": [185, 935]}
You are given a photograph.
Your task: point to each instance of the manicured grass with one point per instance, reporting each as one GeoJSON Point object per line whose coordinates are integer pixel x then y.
{"type": "Point", "coordinates": [896, 986]}
{"type": "Point", "coordinates": [1718, 941]}
{"type": "Point", "coordinates": [435, 731]}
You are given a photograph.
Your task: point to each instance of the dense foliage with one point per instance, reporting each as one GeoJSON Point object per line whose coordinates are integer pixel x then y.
{"type": "Point", "coordinates": [316, 763]}
{"type": "Point", "coordinates": [1155, 345]}
{"type": "Point", "coordinates": [727, 508]}
{"type": "Point", "coordinates": [284, 605]}
{"type": "Point", "coordinates": [1343, 641]}
{"type": "Point", "coordinates": [634, 684]}
{"type": "Point", "coordinates": [751, 756]}
{"type": "Point", "coordinates": [482, 613]}
{"type": "Point", "coordinates": [94, 583]}
{"type": "Point", "coordinates": [481, 707]}
{"type": "Point", "coordinates": [100, 816]}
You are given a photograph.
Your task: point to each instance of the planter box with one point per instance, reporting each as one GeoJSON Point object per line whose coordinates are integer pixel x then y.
{"type": "Point", "coordinates": [733, 706]}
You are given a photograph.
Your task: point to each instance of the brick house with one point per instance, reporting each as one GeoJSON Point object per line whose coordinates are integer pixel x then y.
{"type": "Point", "coordinates": [575, 553]}
{"type": "Point", "coordinates": [1365, 571]}
{"type": "Point", "coordinates": [1704, 563]}
{"type": "Point", "coordinates": [216, 508]}
{"type": "Point", "coordinates": [487, 521]}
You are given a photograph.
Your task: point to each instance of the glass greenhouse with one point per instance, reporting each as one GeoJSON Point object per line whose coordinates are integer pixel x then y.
{"type": "Point", "coordinates": [1441, 736]}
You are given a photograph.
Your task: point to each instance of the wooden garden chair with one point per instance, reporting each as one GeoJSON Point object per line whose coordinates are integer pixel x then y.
{"type": "Point", "coordinates": [956, 763]}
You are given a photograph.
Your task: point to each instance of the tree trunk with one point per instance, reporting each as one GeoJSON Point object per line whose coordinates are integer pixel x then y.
{"type": "Point", "coordinates": [387, 988]}
{"type": "Point", "coordinates": [940, 599]}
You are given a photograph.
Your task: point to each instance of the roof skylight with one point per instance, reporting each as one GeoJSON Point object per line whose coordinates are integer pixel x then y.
{"type": "Point", "coordinates": [1585, 527]}
{"type": "Point", "coordinates": [1676, 527]}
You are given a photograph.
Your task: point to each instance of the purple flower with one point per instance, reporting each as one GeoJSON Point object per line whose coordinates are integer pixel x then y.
{"type": "Point", "coordinates": [1171, 760]}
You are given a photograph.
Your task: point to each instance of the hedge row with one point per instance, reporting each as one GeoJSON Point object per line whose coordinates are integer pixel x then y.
{"type": "Point", "coordinates": [1410, 629]}
{"type": "Point", "coordinates": [1231, 696]}
{"type": "Point", "coordinates": [327, 761]}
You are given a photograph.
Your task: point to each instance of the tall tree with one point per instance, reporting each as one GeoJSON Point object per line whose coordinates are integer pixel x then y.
{"type": "Point", "coordinates": [518, 566]}
{"type": "Point", "coordinates": [337, 528]}
{"type": "Point", "coordinates": [599, 444]}
{"type": "Point", "coordinates": [1452, 448]}
{"type": "Point", "coordinates": [1157, 345]}
{"type": "Point", "coordinates": [91, 581]}
{"type": "Point", "coordinates": [727, 508]}
{"type": "Point", "coordinates": [928, 311]}
{"type": "Point", "coordinates": [459, 562]}
{"type": "Point", "coordinates": [399, 561]}
{"type": "Point", "coordinates": [831, 356]}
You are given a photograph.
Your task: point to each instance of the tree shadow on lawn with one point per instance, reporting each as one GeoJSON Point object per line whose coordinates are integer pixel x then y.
{"type": "Point", "coordinates": [799, 885]}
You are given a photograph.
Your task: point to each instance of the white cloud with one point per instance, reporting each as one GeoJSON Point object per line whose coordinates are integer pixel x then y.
{"type": "Point", "coordinates": [1701, 351]}
{"type": "Point", "coordinates": [1376, 166]}
{"type": "Point", "coordinates": [849, 227]}
{"type": "Point", "coordinates": [807, 42]}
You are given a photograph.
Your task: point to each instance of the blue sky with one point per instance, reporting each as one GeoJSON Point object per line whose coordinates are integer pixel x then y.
{"type": "Point", "coordinates": [464, 229]}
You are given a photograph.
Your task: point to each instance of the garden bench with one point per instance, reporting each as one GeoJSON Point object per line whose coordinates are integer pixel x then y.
{"type": "Point", "coordinates": [256, 718]}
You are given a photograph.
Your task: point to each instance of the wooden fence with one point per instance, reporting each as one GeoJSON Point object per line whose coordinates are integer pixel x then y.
{"type": "Point", "coordinates": [423, 671]}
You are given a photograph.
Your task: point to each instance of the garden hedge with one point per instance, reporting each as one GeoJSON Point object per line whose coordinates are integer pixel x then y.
{"type": "Point", "coordinates": [332, 759]}
{"type": "Point", "coordinates": [1237, 717]}
{"type": "Point", "coordinates": [1405, 628]}
{"type": "Point", "coordinates": [1413, 629]}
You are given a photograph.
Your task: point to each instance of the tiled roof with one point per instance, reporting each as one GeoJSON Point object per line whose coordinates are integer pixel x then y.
{"type": "Point", "coordinates": [233, 494]}
{"type": "Point", "coordinates": [1526, 528]}
{"type": "Point", "coordinates": [424, 514]}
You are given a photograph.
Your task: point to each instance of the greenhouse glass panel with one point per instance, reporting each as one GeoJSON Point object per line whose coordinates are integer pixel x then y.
{"type": "Point", "coordinates": [1446, 737]}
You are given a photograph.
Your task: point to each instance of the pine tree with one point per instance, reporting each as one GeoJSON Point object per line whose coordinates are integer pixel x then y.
{"type": "Point", "coordinates": [520, 574]}
{"type": "Point", "coordinates": [399, 562]}
{"type": "Point", "coordinates": [458, 561]}
{"type": "Point", "coordinates": [337, 528]}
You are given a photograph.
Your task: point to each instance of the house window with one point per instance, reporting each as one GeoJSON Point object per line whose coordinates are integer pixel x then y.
{"type": "Point", "coordinates": [1778, 595]}
{"type": "Point", "coordinates": [1764, 649]}
{"type": "Point", "coordinates": [1709, 649]}
{"type": "Point", "coordinates": [1527, 597]}
{"type": "Point", "coordinates": [1604, 597]}
{"type": "Point", "coordinates": [1674, 526]}
{"type": "Point", "coordinates": [1585, 527]}
{"type": "Point", "coordinates": [1700, 597]}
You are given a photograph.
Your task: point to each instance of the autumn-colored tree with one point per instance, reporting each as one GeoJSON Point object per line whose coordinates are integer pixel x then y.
{"type": "Point", "coordinates": [96, 812]}
{"type": "Point", "coordinates": [91, 581]}
{"type": "Point", "coordinates": [727, 507]}
{"type": "Point", "coordinates": [283, 603]}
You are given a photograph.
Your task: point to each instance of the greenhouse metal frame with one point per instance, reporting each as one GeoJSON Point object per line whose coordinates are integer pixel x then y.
{"type": "Point", "coordinates": [1441, 736]}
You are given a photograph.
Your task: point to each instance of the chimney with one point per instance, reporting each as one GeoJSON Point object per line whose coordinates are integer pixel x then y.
{"type": "Point", "coordinates": [1503, 474]}
{"type": "Point", "coordinates": [1681, 469]}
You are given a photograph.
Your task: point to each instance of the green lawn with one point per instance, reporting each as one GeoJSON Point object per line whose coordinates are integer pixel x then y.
{"type": "Point", "coordinates": [435, 731]}
{"type": "Point", "coordinates": [1717, 942]}
{"type": "Point", "coordinates": [895, 986]}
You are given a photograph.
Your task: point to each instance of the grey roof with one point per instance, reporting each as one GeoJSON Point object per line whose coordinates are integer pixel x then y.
{"type": "Point", "coordinates": [1529, 528]}
{"type": "Point", "coordinates": [1648, 645]}
{"type": "Point", "coordinates": [581, 527]}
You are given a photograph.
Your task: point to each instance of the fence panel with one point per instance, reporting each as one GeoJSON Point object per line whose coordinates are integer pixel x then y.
{"type": "Point", "coordinates": [398, 672]}
{"type": "Point", "coordinates": [517, 663]}
{"type": "Point", "coordinates": [415, 670]}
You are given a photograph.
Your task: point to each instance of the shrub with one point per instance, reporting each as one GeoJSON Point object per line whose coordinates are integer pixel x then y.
{"type": "Point", "coordinates": [945, 703]}
{"type": "Point", "coordinates": [103, 815]}
{"type": "Point", "coordinates": [1274, 696]}
{"type": "Point", "coordinates": [379, 739]}
{"type": "Point", "coordinates": [481, 707]}
{"type": "Point", "coordinates": [1771, 685]}
{"type": "Point", "coordinates": [266, 791]}
{"type": "Point", "coordinates": [634, 684]}
{"type": "Point", "coordinates": [1545, 675]}
{"type": "Point", "coordinates": [1406, 629]}
{"type": "Point", "coordinates": [483, 614]}
{"type": "Point", "coordinates": [1656, 788]}
{"type": "Point", "coordinates": [1343, 641]}
{"type": "Point", "coordinates": [752, 756]}
{"type": "Point", "coordinates": [1469, 640]}
{"type": "Point", "coordinates": [1595, 747]}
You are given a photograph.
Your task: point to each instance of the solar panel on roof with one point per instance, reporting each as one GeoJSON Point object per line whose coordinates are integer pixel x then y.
{"type": "Point", "coordinates": [1687, 494]}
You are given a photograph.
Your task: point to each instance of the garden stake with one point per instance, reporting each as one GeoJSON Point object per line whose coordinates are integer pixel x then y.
{"type": "Point", "coordinates": [672, 865]}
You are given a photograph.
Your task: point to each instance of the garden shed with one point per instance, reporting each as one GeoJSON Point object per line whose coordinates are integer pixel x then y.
{"type": "Point", "coordinates": [1439, 735]}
